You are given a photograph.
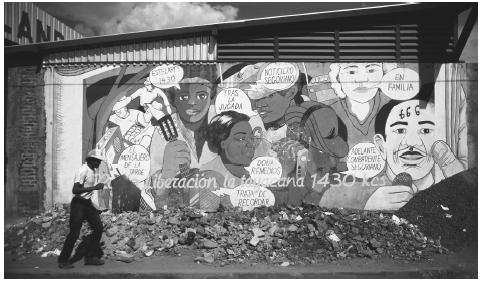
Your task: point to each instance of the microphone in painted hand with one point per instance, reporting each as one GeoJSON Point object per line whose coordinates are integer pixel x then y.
{"type": "Point", "coordinates": [403, 179]}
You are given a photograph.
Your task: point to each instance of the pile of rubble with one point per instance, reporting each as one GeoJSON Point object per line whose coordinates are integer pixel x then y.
{"type": "Point", "coordinates": [278, 235]}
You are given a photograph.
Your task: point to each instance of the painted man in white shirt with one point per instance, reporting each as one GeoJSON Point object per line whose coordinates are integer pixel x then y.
{"type": "Point", "coordinates": [148, 94]}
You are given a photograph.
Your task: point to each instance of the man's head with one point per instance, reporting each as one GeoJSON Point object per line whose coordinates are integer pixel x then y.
{"type": "Point", "coordinates": [270, 104]}
{"type": "Point", "coordinates": [148, 84]}
{"type": "Point", "coordinates": [120, 107]}
{"type": "Point", "coordinates": [405, 135]}
{"type": "Point", "coordinates": [192, 101]}
{"type": "Point", "coordinates": [273, 107]}
{"type": "Point", "coordinates": [94, 158]}
{"type": "Point", "coordinates": [121, 112]}
{"type": "Point", "coordinates": [357, 81]}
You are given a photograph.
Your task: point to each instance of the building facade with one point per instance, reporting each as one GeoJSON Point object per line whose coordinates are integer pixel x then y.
{"type": "Point", "coordinates": [356, 109]}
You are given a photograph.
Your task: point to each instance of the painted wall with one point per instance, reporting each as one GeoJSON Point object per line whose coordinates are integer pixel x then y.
{"type": "Point", "coordinates": [353, 135]}
{"type": "Point", "coordinates": [64, 99]}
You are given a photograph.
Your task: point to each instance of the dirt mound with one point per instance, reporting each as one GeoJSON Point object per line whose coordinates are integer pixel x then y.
{"type": "Point", "coordinates": [447, 211]}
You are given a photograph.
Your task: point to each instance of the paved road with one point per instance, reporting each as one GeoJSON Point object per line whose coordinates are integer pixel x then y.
{"type": "Point", "coordinates": [462, 264]}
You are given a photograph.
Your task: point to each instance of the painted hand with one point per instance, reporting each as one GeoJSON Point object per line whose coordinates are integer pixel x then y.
{"type": "Point", "coordinates": [288, 155]}
{"type": "Point", "coordinates": [389, 198]}
{"type": "Point", "coordinates": [446, 159]}
{"type": "Point", "coordinates": [176, 153]}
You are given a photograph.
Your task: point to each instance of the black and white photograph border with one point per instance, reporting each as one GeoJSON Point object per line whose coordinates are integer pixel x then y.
{"type": "Point", "coordinates": [239, 140]}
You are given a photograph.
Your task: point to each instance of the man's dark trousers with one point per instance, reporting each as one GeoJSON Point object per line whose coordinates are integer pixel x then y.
{"type": "Point", "coordinates": [80, 210]}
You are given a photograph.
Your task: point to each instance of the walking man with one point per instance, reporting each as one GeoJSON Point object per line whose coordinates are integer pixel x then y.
{"type": "Point", "coordinates": [81, 208]}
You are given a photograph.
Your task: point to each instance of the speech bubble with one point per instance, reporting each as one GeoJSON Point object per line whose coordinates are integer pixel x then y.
{"type": "Point", "coordinates": [134, 162]}
{"type": "Point", "coordinates": [265, 170]}
{"type": "Point", "coordinates": [279, 76]}
{"type": "Point", "coordinates": [401, 84]}
{"type": "Point", "coordinates": [250, 196]}
{"type": "Point", "coordinates": [364, 161]}
{"type": "Point", "coordinates": [233, 99]}
{"type": "Point", "coordinates": [166, 76]}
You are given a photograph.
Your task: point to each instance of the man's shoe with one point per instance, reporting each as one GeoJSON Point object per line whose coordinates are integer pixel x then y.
{"type": "Point", "coordinates": [94, 261]}
{"type": "Point", "coordinates": [65, 265]}
{"type": "Point", "coordinates": [81, 250]}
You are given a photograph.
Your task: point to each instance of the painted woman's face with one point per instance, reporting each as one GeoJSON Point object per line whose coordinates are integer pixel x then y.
{"type": "Point", "coordinates": [238, 147]}
{"type": "Point", "coordinates": [360, 81]}
{"type": "Point", "coordinates": [193, 101]}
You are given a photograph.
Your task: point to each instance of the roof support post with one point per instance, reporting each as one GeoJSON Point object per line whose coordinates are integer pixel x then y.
{"type": "Point", "coordinates": [275, 48]}
{"type": "Point", "coordinates": [212, 46]}
{"type": "Point", "coordinates": [467, 29]}
{"type": "Point", "coordinates": [398, 53]}
{"type": "Point", "coordinates": [337, 44]}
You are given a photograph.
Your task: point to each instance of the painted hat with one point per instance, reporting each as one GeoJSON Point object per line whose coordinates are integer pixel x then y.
{"type": "Point", "coordinates": [245, 77]}
{"type": "Point", "coordinates": [248, 79]}
{"type": "Point", "coordinates": [198, 80]}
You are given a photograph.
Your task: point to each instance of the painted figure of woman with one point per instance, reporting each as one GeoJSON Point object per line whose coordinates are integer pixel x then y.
{"type": "Point", "coordinates": [229, 134]}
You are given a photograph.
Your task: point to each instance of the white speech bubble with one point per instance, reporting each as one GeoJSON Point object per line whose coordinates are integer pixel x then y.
{"type": "Point", "coordinates": [134, 162]}
{"type": "Point", "coordinates": [233, 99]}
{"type": "Point", "coordinates": [265, 170]}
{"type": "Point", "coordinates": [166, 76]}
{"type": "Point", "coordinates": [364, 161]}
{"type": "Point", "coordinates": [250, 196]}
{"type": "Point", "coordinates": [401, 84]}
{"type": "Point", "coordinates": [279, 76]}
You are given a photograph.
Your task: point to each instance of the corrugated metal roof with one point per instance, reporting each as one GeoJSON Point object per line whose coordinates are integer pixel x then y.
{"type": "Point", "coordinates": [195, 48]}
{"type": "Point", "coordinates": [173, 45]}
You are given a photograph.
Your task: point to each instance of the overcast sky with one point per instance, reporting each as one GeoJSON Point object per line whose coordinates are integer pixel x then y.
{"type": "Point", "coordinates": [92, 18]}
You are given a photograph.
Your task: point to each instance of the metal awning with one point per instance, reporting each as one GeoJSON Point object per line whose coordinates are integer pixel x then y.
{"type": "Point", "coordinates": [199, 43]}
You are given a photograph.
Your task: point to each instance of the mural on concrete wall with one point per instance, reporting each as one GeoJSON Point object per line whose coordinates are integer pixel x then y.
{"type": "Point", "coordinates": [352, 135]}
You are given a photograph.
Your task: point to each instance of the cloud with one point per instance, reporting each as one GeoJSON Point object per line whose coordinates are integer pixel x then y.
{"type": "Point", "coordinates": [152, 16]}
{"type": "Point", "coordinates": [84, 29]}
{"type": "Point", "coordinates": [113, 18]}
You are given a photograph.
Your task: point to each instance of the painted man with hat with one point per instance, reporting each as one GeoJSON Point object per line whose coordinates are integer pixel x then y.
{"type": "Point", "coordinates": [82, 209]}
